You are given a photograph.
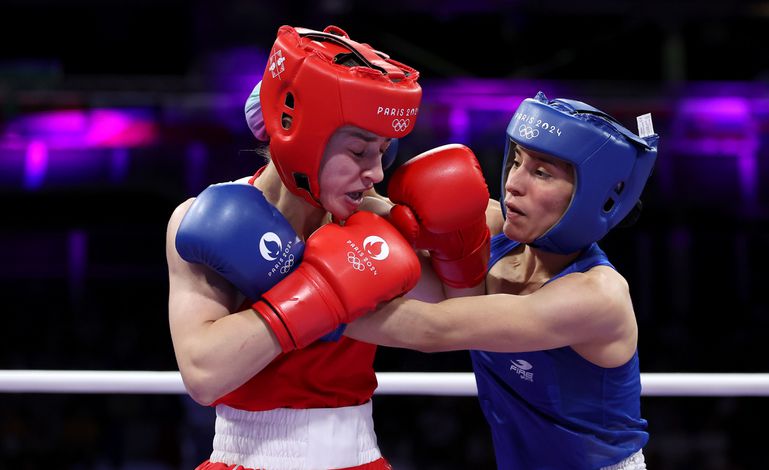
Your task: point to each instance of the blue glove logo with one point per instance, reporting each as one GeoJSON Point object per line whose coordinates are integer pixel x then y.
{"type": "Point", "coordinates": [270, 246]}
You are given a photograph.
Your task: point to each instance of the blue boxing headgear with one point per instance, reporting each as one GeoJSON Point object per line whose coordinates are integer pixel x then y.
{"type": "Point", "coordinates": [611, 166]}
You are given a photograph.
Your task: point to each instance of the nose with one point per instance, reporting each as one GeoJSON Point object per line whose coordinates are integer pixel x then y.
{"type": "Point", "coordinates": [515, 183]}
{"type": "Point", "coordinates": [373, 173]}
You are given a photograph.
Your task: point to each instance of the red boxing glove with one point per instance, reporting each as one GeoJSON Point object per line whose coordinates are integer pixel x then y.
{"type": "Point", "coordinates": [441, 198]}
{"type": "Point", "coordinates": [346, 271]}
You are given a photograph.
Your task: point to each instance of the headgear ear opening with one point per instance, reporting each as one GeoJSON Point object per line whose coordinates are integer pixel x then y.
{"type": "Point", "coordinates": [632, 217]}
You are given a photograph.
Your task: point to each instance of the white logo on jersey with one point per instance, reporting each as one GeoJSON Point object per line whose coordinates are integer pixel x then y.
{"type": "Point", "coordinates": [270, 246]}
{"type": "Point", "coordinates": [522, 368]}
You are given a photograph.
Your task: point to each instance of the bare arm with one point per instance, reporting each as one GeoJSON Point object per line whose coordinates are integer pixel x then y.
{"type": "Point", "coordinates": [216, 350]}
{"type": "Point", "coordinates": [591, 312]}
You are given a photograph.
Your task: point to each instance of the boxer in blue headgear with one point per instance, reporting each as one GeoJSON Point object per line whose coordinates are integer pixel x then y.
{"type": "Point", "coordinates": [552, 332]}
{"type": "Point", "coordinates": [611, 166]}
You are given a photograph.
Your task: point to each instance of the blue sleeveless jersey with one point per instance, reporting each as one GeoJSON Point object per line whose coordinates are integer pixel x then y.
{"type": "Point", "coordinates": [554, 409]}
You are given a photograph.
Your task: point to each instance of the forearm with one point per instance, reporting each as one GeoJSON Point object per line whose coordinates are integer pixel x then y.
{"type": "Point", "coordinates": [218, 356]}
{"type": "Point", "coordinates": [405, 323]}
{"type": "Point", "coordinates": [453, 324]}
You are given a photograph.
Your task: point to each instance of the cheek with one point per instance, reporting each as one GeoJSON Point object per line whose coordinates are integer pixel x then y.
{"type": "Point", "coordinates": [326, 168]}
{"type": "Point", "coordinates": [562, 203]}
{"type": "Point", "coordinates": [324, 178]}
{"type": "Point", "coordinates": [556, 204]}
{"type": "Point", "coordinates": [331, 169]}
{"type": "Point", "coordinates": [336, 172]}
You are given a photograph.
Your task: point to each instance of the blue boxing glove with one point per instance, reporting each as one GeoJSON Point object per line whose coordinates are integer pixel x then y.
{"type": "Point", "coordinates": [234, 230]}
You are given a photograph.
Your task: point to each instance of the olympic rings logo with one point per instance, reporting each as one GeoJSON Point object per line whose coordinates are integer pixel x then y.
{"type": "Point", "coordinates": [401, 124]}
{"type": "Point", "coordinates": [528, 132]}
{"type": "Point", "coordinates": [287, 265]}
{"type": "Point", "coordinates": [355, 261]}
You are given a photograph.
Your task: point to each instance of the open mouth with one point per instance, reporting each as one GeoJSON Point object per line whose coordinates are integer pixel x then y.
{"type": "Point", "coordinates": [355, 196]}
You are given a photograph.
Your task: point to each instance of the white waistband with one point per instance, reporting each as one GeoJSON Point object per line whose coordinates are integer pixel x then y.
{"type": "Point", "coordinates": [317, 438]}
{"type": "Point", "coordinates": [634, 462]}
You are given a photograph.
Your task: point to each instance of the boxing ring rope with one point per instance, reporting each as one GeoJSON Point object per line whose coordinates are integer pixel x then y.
{"type": "Point", "coordinates": [390, 383]}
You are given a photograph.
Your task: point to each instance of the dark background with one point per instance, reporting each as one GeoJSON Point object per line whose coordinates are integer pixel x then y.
{"type": "Point", "coordinates": [82, 267]}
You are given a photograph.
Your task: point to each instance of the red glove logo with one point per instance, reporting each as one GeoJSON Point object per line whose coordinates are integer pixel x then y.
{"type": "Point", "coordinates": [376, 247]}
{"type": "Point", "coordinates": [373, 248]}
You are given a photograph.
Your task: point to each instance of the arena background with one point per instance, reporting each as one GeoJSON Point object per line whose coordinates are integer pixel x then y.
{"type": "Point", "coordinates": [111, 113]}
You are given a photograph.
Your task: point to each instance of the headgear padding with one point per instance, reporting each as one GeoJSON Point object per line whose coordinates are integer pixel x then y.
{"type": "Point", "coordinates": [255, 121]}
{"type": "Point", "coordinates": [611, 166]}
{"type": "Point", "coordinates": [316, 82]}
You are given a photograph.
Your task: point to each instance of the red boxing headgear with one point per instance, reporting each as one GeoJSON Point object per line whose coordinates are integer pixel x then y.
{"type": "Point", "coordinates": [320, 81]}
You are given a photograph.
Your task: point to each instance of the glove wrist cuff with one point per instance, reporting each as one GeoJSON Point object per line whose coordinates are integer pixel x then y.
{"type": "Point", "coordinates": [306, 304]}
{"type": "Point", "coordinates": [404, 220]}
{"type": "Point", "coordinates": [467, 271]}
{"type": "Point", "coordinates": [275, 323]}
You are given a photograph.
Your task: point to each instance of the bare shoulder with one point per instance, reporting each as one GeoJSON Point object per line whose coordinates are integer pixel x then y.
{"type": "Point", "coordinates": [612, 324]}
{"type": "Point", "coordinates": [604, 286]}
{"type": "Point", "coordinates": [597, 300]}
{"type": "Point", "coordinates": [602, 296]}
{"type": "Point", "coordinates": [494, 218]}
{"type": "Point", "coordinates": [178, 214]}
{"type": "Point", "coordinates": [609, 281]}
{"type": "Point", "coordinates": [172, 256]}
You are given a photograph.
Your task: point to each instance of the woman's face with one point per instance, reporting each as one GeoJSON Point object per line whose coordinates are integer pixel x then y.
{"type": "Point", "coordinates": [538, 190]}
{"type": "Point", "coordinates": [351, 165]}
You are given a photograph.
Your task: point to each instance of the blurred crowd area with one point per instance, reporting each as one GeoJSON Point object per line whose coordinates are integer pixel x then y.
{"type": "Point", "coordinates": [107, 125]}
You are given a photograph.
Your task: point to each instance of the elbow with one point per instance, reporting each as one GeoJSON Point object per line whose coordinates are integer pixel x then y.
{"type": "Point", "coordinates": [201, 396]}
{"type": "Point", "coordinates": [202, 386]}
{"type": "Point", "coordinates": [200, 399]}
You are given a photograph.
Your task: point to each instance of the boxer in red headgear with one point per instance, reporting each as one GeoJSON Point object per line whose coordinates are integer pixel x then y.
{"type": "Point", "coordinates": [262, 282]}
{"type": "Point", "coordinates": [316, 82]}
